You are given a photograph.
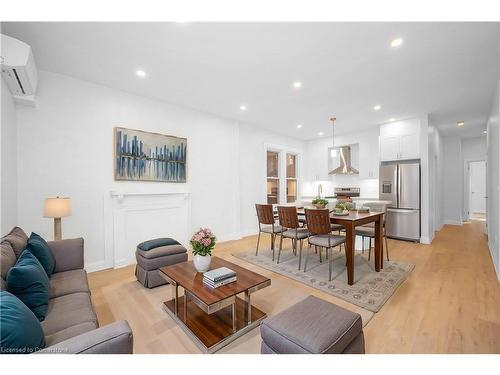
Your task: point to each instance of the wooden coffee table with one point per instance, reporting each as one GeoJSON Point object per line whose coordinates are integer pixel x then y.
{"type": "Point", "coordinates": [213, 317]}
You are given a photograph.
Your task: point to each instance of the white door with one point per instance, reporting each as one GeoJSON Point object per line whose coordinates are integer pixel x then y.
{"type": "Point", "coordinates": [389, 148]}
{"type": "Point", "coordinates": [477, 175]}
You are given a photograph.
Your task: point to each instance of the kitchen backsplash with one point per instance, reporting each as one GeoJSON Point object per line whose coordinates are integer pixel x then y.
{"type": "Point", "coordinates": [369, 187]}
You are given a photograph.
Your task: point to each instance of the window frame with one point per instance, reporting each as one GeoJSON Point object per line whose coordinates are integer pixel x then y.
{"type": "Point", "coordinates": [283, 151]}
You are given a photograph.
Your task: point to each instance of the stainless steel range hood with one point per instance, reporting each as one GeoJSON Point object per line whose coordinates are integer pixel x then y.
{"type": "Point", "coordinates": [345, 162]}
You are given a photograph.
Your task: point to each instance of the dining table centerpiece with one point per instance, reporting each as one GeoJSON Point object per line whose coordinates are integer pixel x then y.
{"type": "Point", "coordinates": [319, 202]}
{"type": "Point", "coordinates": [202, 243]}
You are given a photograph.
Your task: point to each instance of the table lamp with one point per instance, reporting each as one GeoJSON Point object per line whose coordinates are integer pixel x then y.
{"type": "Point", "coordinates": [57, 208]}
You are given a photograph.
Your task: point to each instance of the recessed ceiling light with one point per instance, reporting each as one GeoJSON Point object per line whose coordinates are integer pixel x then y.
{"type": "Point", "coordinates": [460, 123]}
{"type": "Point", "coordinates": [392, 119]}
{"type": "Point", "coordinates": [320, 133]}
{"type": "Point", "coordinates": [377, 107]}
{"type": "Point", "coordinates": [297, 84]}
{"type": "Point", "coordinates": [396, 42]}
{"type": "Point", "coordinates": [299, 126]}
{"type": "Point", "coordinates": [141, 73]}
{"type": "Point", "coordinates": [243, 107]}
{"type": "Point", "coordinates": [484, 132]}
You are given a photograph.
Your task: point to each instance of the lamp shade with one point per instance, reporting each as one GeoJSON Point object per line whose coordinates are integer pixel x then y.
{"type": "Point", "coordinates": [57, 207]}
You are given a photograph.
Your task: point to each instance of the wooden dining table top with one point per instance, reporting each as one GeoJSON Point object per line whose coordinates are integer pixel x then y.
{"type": "Point", "coordinates": [354, 215]}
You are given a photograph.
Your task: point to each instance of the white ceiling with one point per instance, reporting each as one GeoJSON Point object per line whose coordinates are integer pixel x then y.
{"type": "Point", "coordinates": [445, 69]}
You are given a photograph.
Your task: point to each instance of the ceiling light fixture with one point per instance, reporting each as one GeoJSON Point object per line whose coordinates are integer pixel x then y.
{"type": "Point", "coordinates": [320, 133]}
{"type": "Point", "coordinates": [484, 132]}
{"type": "Point", "coordinates": [460, 123]}
{"type": "Point", "coordinates": [141, 73]}
{"type": "Point", "coordinates": [333, 152]}
{"type": "Point", "coordinates": [392, 119]}
{"type": "Point", "coordinates": [396, 42]}
{"type": "Point", "coordinates": [243, 107]}
{"type": "Point", "coordinates": [297, 84]}
{"type": "Point", "coordinates": [377, 107]}
{"type": "Point", "coordinates": [299, 126]}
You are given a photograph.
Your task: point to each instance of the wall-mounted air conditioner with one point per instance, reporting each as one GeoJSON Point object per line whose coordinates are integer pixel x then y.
{"type": "Point", "coordinates": [18, 68]}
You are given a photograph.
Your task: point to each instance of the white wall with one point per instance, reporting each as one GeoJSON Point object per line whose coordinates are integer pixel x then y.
{"type": "Point", "coordinates": [365, 158]}
{"type": "Point", "coordinates": [492, 180]}
{"type": "Point", "coordinates": [426, 233]}
{"type": "Point", "coordinates": [8, 135]}
{"type": "Point", "coordinates": [435, 180]}
{"type": "Point", "coordinates": [451, 203]}
{"type": "Point", "coordinates": [67, 150]}
{"type": "Point", "coordinates": [252, 173]}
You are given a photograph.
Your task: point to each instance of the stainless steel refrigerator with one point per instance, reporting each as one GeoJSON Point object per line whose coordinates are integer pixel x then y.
{"type": "Point", "coordinates": [400, 184]}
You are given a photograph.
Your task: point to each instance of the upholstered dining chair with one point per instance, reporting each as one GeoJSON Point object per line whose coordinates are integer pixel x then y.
{"type": "Point", "coordinates": [318, 224]}
{"type": "Point", "coordinates": [267, 224]}
{"type": "Point", "coordinates": [368, 230]}
{"type": "Point", "coordinates": [289, 220]}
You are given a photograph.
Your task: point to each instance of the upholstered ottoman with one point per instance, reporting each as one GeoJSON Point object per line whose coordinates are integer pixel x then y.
{"type": "Point", "coordinates": [154, 254]}
{"type": "Point", "coordinates": [313, 326]}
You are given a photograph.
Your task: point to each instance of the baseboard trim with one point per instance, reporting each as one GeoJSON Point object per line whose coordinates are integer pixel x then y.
{"type": "Point", "coordinates": [452, 222]}
{"type": "Point", "coordinates": [425, 240]}
{"type": "Point", "coordinates": [96, 266]}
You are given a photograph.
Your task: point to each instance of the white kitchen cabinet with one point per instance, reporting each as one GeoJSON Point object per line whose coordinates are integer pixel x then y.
{"type": "Point", "coordinates": [400, 140]}
{"type": "Point", "coordinates": [389, 148]}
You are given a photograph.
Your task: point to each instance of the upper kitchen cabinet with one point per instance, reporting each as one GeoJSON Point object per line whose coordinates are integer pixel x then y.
{"type": "Point", "coordinates": [400, 140]}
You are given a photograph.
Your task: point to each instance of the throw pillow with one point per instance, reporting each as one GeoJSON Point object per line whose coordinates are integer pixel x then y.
{"type": "Point", "coordinates": [21, 330]}
{"type": "Point", "coordinates": [157, 242]}
{"type": "Point", "coordinates": [28, 281]}
{"type": "Point", "coordinates": [40, 249]}
{"type": "Point", "coordinates": [18, 239]}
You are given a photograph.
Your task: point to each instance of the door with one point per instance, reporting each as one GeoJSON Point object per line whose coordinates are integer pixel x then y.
{"type": "Point", "coordinates": [409, 186]}
{"type": "Point", "coordinates": [477, 177]}
{"type": "Point", "coordinates": [388, 176]}
{"type": "Point", "coordinates": [389, 148]}
{"type": "Point", "coordinates": [404, 224]}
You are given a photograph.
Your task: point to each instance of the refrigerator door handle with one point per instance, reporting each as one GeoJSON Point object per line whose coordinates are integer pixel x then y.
{"type": "Point", "coordinates": [403, 211]}
{"type": "Point", "coordinates": [398, 179]}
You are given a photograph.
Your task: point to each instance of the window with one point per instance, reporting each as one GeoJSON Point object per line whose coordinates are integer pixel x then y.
{"type": "Point", "coordinates": [291, 178]}
{"type": "Point", "coordinates": [273, 180]}
{"type": "Point", "coordinates": [282, 174]}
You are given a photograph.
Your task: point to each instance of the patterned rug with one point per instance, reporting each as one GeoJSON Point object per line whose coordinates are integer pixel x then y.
{"type": "Point", "coordinates": [370, 289]}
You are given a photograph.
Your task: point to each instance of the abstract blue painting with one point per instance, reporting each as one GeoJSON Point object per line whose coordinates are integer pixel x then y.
{"type": "Point", "coordinates": [145, 156]}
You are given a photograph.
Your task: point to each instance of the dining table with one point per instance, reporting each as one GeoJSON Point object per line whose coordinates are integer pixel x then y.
{"type": "Point", "coordinates": [350, 221]}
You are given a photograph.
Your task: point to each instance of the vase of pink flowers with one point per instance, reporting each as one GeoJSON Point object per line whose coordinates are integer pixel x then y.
{"type": "Point", "coordinates": [202, 242]}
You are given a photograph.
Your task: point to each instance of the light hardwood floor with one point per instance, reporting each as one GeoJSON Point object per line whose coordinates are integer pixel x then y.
{"type": "Point", "coordinates": [449, 304]}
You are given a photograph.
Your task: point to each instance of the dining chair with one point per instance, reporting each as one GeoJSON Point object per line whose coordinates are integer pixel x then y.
{"type": "Point", "coordinates": [289, 220]}
{"type": "Point", "coordinates": [318, 224]}
{"type": "Point", "coordinates": [368, 230]}
{"type": "Point", "coordinates": [267, 224]}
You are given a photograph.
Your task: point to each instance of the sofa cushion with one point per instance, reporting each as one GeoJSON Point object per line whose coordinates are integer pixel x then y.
{"type": "Point", "coordinates": [39, 248]}
{"type": "Point", "coordinates": [156, 263]}
{"type": "Point", "coordinates": [7, 259]}
{"type": "Point", "coordinates": [21, 330]}
{"type": "Point", "coordinates": [28, 281]}
{"type": "Point", "coordinates": [162, 251]}
{"type": "Point", "coordinates": [18, 240]}
{"type": "Point", "coordinates": [157, 242]}
{"type": "Point", "coordinates": [311, 326]}
{"type": "Point", "coordinates": [63, 283]}
{"type": "Point", "coordinates": [67, 311]}
{"type": "Point", "coordinates": [69, 332]}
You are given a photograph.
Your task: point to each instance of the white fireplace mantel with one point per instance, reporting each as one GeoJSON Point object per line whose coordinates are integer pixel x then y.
{"type": "Point", "coordinates": [135, 216]}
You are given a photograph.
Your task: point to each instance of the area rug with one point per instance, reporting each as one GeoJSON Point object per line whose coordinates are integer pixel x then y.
{"type": "Point", "coordinates": [370, 289]}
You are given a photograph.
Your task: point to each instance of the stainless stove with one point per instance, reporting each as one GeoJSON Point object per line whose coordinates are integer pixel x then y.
{"type": "Point", "coordinates": [346, 192]}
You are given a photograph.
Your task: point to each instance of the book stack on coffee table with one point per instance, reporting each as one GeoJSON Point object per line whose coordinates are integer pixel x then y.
{"type": "Point", "coordinates": [218, 277]}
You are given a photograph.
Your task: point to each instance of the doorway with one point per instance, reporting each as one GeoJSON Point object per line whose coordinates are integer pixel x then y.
{"type": "Point", "coordinates": [476, 209]}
